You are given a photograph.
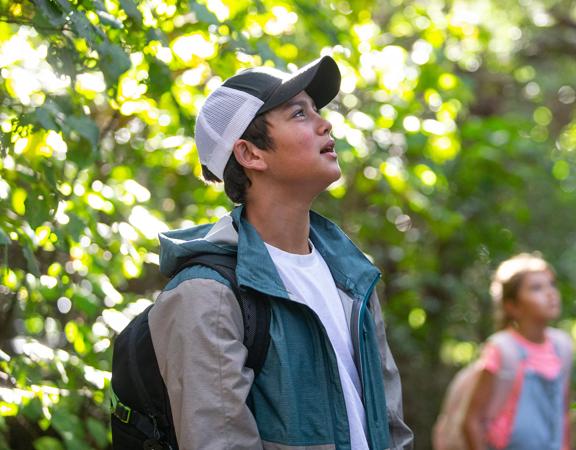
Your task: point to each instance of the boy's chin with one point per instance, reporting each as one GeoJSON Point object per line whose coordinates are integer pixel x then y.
{"type": "Point", "coordinates": [333, 181]}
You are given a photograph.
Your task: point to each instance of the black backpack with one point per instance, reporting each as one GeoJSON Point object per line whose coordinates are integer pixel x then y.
{"type": "Point", "coordinates": [140, 407]}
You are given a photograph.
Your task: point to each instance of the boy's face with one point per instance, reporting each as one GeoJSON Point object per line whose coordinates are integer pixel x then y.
{"type": "Point", "coordinates": [538, 298]}
{"type": "Point", "coordinates": [303, 155]}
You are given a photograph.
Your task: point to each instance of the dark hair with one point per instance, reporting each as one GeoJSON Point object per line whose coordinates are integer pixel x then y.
{"type": "Point", "coordinates": [235, 180]}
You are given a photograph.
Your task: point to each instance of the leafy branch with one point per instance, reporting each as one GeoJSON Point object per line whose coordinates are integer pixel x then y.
{"type": "Point", "coordinates": [30, 23]}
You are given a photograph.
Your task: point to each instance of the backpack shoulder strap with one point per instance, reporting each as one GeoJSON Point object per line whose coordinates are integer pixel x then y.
{"type": "Point", "coordinates": [255, 307]}
{"type": "Point", "coordinates": [133, 363]}
{"type": "Point", "coordinates": [509, 377]}
{"type": "Point", "coordinates": [511, 354]}
{"type": "Point", "coordinates": [563, 345]}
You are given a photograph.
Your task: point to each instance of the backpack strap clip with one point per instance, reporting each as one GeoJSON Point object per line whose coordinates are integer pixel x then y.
{"type": "Point", "coordinates": [119, 409]}
{"type": "Point", "coordinates": [129, 416]}
{"type": "Point", "coordinates": [122, 412]}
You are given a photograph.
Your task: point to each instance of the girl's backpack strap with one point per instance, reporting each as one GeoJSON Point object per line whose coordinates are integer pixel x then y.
{"type": "Point", "coordinates": [511, 353]}
{"type": "Point", "coordinates": [564, 347]}
{"type": "Point", "coordinates": [510, 375]}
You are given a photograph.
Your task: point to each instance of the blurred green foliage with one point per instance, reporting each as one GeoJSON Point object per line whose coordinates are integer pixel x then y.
{"type": "Point", "coordinates": [455, 129]}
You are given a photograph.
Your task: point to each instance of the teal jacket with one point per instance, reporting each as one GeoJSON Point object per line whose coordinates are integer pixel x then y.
{"type": "Point", "coordinates": [296, 401]}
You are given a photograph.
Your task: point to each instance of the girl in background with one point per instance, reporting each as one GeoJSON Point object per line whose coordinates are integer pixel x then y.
{"type": "Point", "coordinates": [533, 392]}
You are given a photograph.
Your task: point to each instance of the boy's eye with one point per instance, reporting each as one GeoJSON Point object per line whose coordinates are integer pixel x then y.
{"type": "Point", "coordinates": [299, 112]}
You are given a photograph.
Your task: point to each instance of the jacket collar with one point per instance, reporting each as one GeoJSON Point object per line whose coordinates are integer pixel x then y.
{"type": "Point", "coordinates": [351, 270]}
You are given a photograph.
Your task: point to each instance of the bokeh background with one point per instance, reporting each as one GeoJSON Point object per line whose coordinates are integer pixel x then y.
{"type": "Point", "coordinates": [455, 130]}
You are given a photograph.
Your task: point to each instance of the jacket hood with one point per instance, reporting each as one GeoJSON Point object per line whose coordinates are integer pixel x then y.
{"type": "Point", "coordinates": [351, 270]}
{"type": "Point", "coordinates": [178, 246]}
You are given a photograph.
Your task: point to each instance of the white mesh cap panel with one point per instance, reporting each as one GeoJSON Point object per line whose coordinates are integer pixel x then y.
{"type": "Point", "coordinates": [222, 120]}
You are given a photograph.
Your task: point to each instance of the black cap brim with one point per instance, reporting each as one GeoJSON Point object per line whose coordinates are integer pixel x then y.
{"type": "Point", "coordinates": [320, 79]}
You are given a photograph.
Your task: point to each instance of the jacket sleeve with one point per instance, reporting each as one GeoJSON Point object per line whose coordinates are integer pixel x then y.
{"type": "Point", "coordinates": [400, 434]}
{"type": "Point", "coordinates": [198, 344]}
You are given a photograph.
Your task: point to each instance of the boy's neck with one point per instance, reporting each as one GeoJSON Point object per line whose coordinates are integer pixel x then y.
{"type": "Point", "coordinates": [284, 226]}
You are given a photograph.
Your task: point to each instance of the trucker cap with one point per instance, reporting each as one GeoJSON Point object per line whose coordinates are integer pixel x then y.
{"type": "Point", "coordinates": [229, 110]}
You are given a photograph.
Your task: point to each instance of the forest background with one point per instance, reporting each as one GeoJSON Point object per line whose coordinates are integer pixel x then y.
{"type": "Point", "coordinates": [455, 131]}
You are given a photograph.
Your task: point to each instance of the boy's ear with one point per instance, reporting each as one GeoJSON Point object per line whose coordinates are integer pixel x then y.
{"type": "Point", "coordinates": [249, 155]}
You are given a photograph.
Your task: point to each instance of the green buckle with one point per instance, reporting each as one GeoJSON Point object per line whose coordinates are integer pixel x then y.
{"type": "Point", "coordinates": [122, 412]}
{"type": "Point", "coordinates": [119, 409]}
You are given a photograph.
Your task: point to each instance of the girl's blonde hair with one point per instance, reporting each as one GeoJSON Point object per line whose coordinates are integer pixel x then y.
{"type": "Point", "coordinates": [507, 280]}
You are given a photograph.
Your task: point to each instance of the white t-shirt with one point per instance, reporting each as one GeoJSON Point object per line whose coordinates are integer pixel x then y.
{"type": "Point", "coordinates": [309, 281]}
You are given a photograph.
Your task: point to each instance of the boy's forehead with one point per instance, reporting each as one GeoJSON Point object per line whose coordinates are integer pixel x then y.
{"type": "Point", "coordinates": [301, 98]}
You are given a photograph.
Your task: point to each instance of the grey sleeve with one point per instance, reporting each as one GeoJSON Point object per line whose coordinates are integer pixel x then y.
{"type": "Point", "coordinates": [198, 344]}
{"type": "Point", "coordinates": [401, 436]}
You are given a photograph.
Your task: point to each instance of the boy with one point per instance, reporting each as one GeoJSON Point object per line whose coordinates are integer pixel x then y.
{"type": "Point", "coordinates": [328, 380]}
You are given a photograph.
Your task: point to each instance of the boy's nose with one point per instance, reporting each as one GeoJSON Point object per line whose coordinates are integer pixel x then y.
{"type": "Point", "coordinates": [325, 126]}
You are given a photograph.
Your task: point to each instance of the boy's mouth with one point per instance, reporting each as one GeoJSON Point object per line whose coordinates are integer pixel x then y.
{"type": "Point", "coordinates": [329, 147]}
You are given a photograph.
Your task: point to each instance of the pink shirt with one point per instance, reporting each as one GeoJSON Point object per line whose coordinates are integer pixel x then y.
{"type": "Point", "coordinates": [540, 358]}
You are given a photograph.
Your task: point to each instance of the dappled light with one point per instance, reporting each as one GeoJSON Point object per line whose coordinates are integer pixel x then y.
{"type": "Point", "coordinates": [455, 130]}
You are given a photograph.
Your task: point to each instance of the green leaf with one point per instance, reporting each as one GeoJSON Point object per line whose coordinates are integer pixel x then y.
{"type": "Point", "coordinates": [98, 431]}
{"type": "Point", "coordinates": [65, 5]}
{"type": "Point", "coordinates": [203, 14]}
{"type": "Point", "coordinates": [49, 176]}
{"type": "Point", "coordinates": [108, 19]}
{"type": "Point", "coordinates": [79, 154]}
{"type": "Point", "coordinates": [159, 77]}
{"type": "Point", "coordinates": [113, 61]}
{"type": "Point", "coordinates": [265, 51]}
{"type": "Point", "coordinates": [68, 425]}
{"type": "Point", "coordinates": [62, 59]}
{"type": "Point", "coordinates": [33, 409]}
{"type": "Point", "coordinates": [43, 117]}
{"type": "Point", "coordinates": [47, 443]}
{"type": "Point", "coordinates": [84, 28]}
{"type": "Point", "coordinates": [49, 12]}
{"type": "Point", "coordinates": [130, 7]}
{"type": "Point", "coordinates": [74, 229]}
{"type": "Point", "coordinates": [155, 34]}
{"type": "Point", "coordinates": [87, 304]}
{"type": "Point", "coordinates": [4, 143]}
{"type": "Point", "coordinates": [98, 5]}
{"type": "Point", "coordinates": [86, 128]}
{"type": "Point", "coordinates": [33, 267]}
{"type": "Point", "coordinates": [38, 209]}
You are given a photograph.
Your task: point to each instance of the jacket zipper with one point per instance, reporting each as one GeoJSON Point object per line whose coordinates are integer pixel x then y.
{"type": "Point", "coordinates": [358, 313]}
